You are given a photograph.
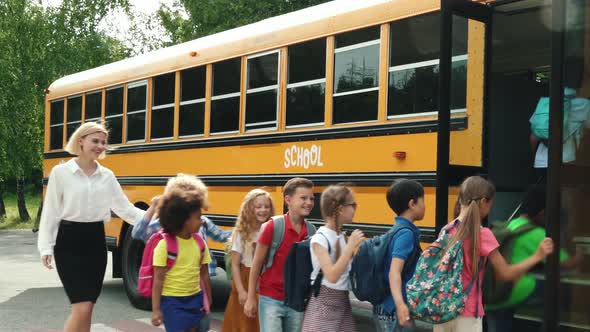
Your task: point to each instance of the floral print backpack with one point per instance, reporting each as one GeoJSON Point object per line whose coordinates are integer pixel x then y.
{"type": "Point", "coordinates": [435, 292]}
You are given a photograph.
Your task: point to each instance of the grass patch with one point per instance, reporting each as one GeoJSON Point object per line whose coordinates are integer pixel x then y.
{"type": "Point", "coordinates": [12, 220]}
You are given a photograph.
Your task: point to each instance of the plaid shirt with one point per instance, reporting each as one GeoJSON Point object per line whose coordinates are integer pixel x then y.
{"type": "Point", "coordinates": [144, 229]}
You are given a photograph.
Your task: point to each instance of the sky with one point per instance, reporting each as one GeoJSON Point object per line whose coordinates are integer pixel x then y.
{"type": "Point", "coordinates": [117, 24]}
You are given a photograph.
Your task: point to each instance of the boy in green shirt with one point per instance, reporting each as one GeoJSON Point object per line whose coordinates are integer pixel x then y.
{"type": "Point", "coordinates": [526, 289]}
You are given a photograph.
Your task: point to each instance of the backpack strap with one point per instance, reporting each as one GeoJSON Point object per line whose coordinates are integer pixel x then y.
{"type": "Point", "coordinates": [200, 243]}
{"type": "Point", "coordinates": [327, 241]}
{"type": "Point", "coordinates": [415, 251]}
{"type": "Point", "coordinates": [277, 237]}
{"type": "Point", "coordinates": [453, 224]}
{"type": "Point", "coordinates": [171, 248]}
{"type": "Point", "coordinates": [414, 256]}
{"type": "Point", "coordinates": [529, 226]}
{"type": "Point", "coordinates": [278, 233]}
{"type": "Point", "coordinates": [311, 230]}
{"type": "Point", "coordinates": [317, 283]}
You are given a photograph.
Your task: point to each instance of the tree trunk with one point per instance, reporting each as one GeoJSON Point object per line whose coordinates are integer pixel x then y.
{"type": "Point", "coordinates": [2, 206]}
{"type": "Point", "coordinates": [20, 197]}
{"type": "Point", "coordinates": [38, 220]}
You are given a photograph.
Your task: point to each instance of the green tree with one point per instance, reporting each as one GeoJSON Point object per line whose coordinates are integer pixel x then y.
{"type": "Point", "coordinates": [206, 17]}
{"type": "Point", "coordinates": [38, 46]}
{"type": "Point", "coordinates": [2, 178]}
{"type": "Point", "coordinates": [20, 42]}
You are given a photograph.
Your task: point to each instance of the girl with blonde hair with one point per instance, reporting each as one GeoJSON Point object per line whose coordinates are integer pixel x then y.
{"type": "Point", "coordinates": [78, 201]}
{"type": "Point", "coordinates": [256, 208]}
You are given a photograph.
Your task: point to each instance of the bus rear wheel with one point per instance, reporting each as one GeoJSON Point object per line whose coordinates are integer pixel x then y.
{"type": "Point", "coordinates": [131, 261]}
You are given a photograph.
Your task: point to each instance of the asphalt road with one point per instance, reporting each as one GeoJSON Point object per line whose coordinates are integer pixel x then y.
{"type": "Point", "coordinates": [32, 299]}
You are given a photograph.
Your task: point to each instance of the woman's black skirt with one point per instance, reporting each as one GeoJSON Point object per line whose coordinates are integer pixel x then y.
{"type": "Point", "coordinates": [81, 258]}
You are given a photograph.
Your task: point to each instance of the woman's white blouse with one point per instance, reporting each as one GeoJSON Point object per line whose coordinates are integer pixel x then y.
{"type": "Point", "coordinates": [74, 196]}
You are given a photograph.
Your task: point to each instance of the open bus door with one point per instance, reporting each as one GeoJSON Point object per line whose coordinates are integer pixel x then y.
{"type": "Point", "coordinates": [465, 37]}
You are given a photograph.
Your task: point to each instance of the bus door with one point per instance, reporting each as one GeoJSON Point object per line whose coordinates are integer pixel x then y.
{"type": "Point", "coordinates": [566, 277]}
{"type": "Point", "coordinates": [465, 35]}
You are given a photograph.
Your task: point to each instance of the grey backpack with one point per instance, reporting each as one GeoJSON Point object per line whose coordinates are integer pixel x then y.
{"type": "Point", "coordinates": [277, 237]}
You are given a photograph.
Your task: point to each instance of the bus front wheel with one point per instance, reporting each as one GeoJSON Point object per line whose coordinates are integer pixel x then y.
{"type": "Point", "coordinates": [131, 261]}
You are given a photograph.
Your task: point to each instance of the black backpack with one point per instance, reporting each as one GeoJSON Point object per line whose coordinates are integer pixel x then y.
{"type": "Point", "coordinates": [297, 275]}
{"type": "Point", "coordinates": [497, 291]}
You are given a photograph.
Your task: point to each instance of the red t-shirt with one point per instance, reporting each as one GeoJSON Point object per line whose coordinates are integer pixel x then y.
{"type": "Point", "coordinates": [271, 283]}
{"type": "Point", "coordinates": [487, 244]}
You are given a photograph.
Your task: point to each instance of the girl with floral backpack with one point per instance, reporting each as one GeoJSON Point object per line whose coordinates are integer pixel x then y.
{"type": "Point", "coordinates": [446, 289]}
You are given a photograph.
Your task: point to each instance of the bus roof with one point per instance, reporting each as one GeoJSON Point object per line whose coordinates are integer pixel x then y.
{"type": "Point", "coordinates": [309, 23]}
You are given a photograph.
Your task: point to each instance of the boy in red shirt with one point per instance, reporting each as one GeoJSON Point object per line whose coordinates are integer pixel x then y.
{"type": "Point", "coordinates": [274, 315]}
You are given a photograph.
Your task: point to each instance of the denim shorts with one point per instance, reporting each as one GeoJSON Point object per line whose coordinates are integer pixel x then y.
{"type": "Point", "coordinates": [182, 312]}
{"type": "Point", "coordinates": [275, 316]}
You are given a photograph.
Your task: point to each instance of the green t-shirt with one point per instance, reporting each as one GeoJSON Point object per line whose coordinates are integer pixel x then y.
{"type": "Point", "coordinates": [524, 247]}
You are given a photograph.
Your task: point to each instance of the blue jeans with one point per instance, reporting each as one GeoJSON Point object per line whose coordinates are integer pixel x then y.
{"type": "Point", "coordinates": [274, 316]}
{"type": "Point", "coordinates": [385, 322]}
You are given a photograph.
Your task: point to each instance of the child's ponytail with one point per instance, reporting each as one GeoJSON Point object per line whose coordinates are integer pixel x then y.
{"type": "Point", "coordinates": [471, 226]}
{"type": "Point", "coordinates": [473, 190]}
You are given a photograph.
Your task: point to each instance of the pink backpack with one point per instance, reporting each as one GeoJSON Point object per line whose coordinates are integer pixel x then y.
{"type": "Point", "coordinates": [146, 271]}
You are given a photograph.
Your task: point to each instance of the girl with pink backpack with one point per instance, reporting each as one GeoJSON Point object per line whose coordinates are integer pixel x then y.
{"type": "Point", "coordinates": [178, 299]}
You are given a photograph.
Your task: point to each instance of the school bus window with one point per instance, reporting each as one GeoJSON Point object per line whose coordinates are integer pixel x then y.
{"type": "Point", "coordinates": [306, 83]}
{"type": "Point", "coordinates": [162, 124]}
{"type": "Point", "coordinates": [459, 64]}
{"type": "Point", "coordinates": [356, 76]}
{"type": "Point", "coordinates": [114, 114]}
{"type": "Point", "coordinates": [414, 66]}
{"type": "Point", "coordinates": [226, 77]}
{"type": "Point", "coordinates": [56, 124]}
{"type": "Point", "coordinates": [92, 107]}
{"type": "Point", "coordinates": [358, 36]}
{"type": "Point", "coordinates": [262, 91]}
{"type": "Point", "coordinates": [192, 101]}
{"type": "Point", "coordinates": [225, 99]}
{"type": "Point", "coordinates": [136, 109]}
{"type": "Point", "coordinates": [74, 114]}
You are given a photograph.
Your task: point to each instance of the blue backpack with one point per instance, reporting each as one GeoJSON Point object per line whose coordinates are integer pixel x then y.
{"type": "Point", "coordinates": [367, 272]}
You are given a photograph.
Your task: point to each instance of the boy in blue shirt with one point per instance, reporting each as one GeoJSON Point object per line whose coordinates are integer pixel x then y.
{"type": "Point", "coordinates": [406, 199]}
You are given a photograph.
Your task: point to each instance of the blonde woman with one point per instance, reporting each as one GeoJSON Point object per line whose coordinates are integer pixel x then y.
{"type": "Point", "coordinates": [79, 198]}
{"type": "Point", "coordinates": [256, 209]}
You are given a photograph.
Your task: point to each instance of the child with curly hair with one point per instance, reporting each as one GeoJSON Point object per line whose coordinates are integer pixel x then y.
{"type": "Point", "coordinates": [256, 209]}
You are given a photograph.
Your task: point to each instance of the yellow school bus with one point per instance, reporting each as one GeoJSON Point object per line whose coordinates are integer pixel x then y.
{"type": "Point", "coordinates": [348, 91]}
{"type": "Point", "coordinates": [327, 93]}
